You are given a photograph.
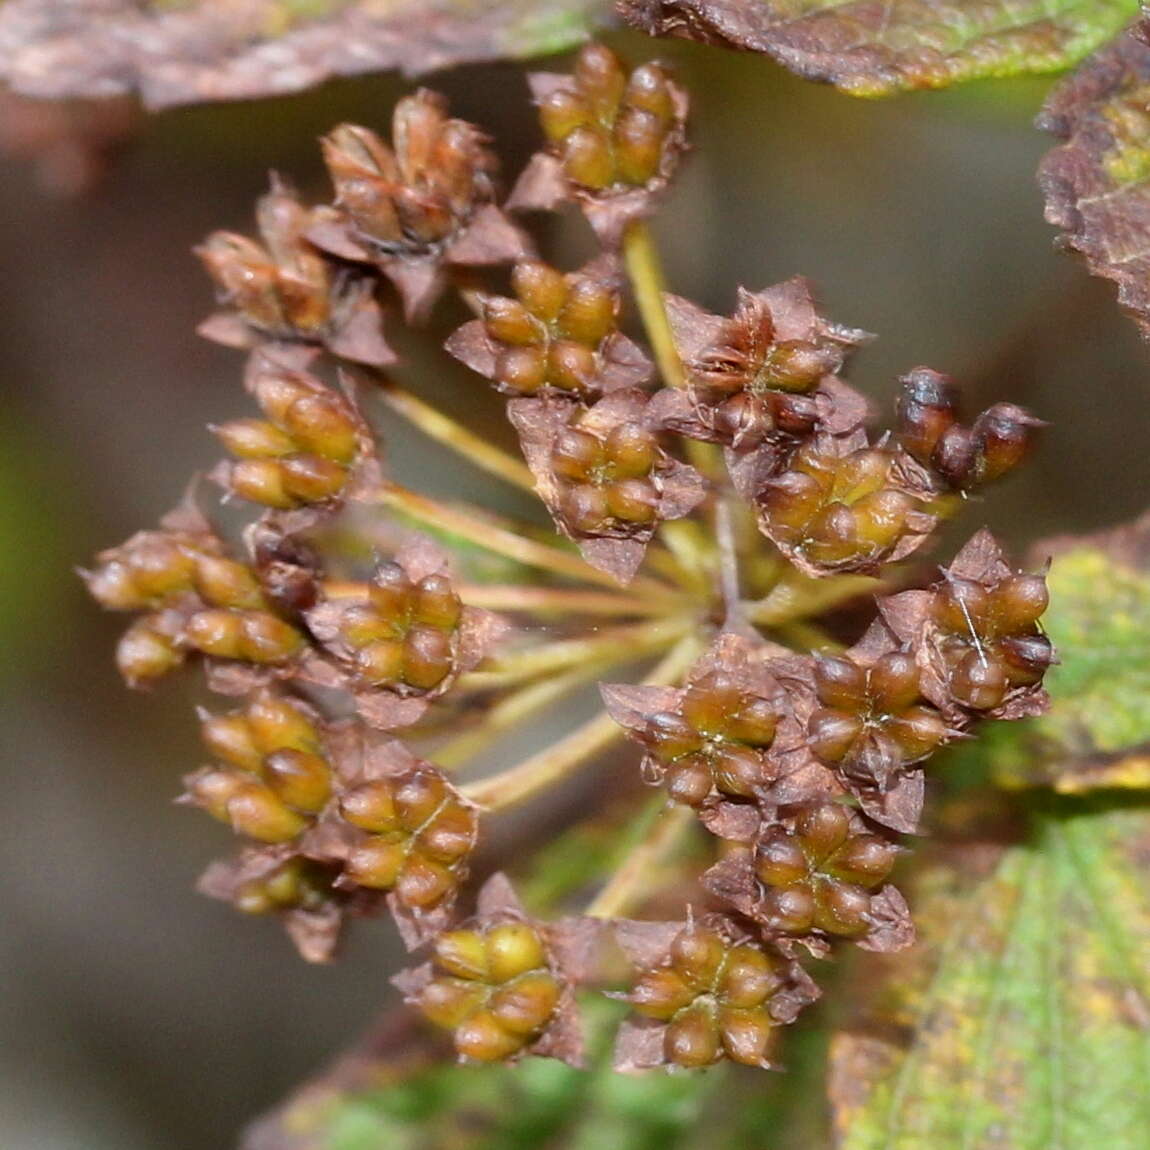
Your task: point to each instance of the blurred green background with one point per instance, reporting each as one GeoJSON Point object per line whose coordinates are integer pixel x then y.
{"type": "Point", "coordinates": [137, 1014]}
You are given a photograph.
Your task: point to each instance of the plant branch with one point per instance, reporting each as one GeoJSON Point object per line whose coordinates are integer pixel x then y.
{"type": "Point", "coordinates": [639, 873]}
{"type": "Point", "coordinates": [434, 424]}
{"type": "Point", "coordinates": [612, 645]}
{"type": "Point", "coordinates": [514, 785]}
{"type": "Point", "coordinates": [477, 527]}
{"type": "Point", "coordinates": [646, 274]}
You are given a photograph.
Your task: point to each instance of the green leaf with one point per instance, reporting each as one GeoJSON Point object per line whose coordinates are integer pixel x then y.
{"type": "Point", "coordinates": [1097, 183]}
{"type": "Point", "coordinates": [187, 51]}
{"type": "Point", "coordinates": [878, 47]}
{"type": "Point", "coordinates": [1029, 1021]}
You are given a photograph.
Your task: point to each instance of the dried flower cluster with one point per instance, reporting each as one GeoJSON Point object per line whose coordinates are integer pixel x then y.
{"type": "Point", "coordinates": [719, 490]}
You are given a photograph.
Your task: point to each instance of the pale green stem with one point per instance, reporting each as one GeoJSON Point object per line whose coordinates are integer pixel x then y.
{"type": "Point", "coordinates": [474, 448]}
{"type": "Point", "coordinates": [614, 645]}
{"type": "Point", "coordinates": [640, 873]}
{"type": "Point", "coordinates": [549, 766]}
{"type": "Point", "coordinates": [477, 527]}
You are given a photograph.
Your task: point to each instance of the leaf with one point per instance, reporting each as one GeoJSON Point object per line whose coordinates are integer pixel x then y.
{"type": "Point", "coordinates": [1099, 723]}
{"type": "Point", "coordinates": [1029, 1019]}
{"type": "Point", "coordinates": [1097, 184]}
{"type": "Point", "coordinates": [401, 1093]}
{"type": "Point", "coordinates": [186, 51]}
{"type": "Point", "coordinates": [878, 47]}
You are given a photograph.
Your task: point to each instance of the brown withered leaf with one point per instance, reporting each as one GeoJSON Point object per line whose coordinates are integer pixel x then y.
{"type": "Point", "coordinates": [188, 52]}
{"type": "Point", "coordinates": [1097, 183]}
{"type": "Point", "coordinates": [620, 550]}
{"type": "Point", "coordinates": [873, 48]}
{"type": "Point", "coordinates": [70, 144]}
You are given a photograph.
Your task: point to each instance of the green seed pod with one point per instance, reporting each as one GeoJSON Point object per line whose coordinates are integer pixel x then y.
{"type": "Point", "coordinates": [480, 1037]}
{"type": "Point", "coordinates": [585, 509]}
{"type": "Point", "coordinates": [746, 1034]}
{"type": "Point", "coordinates": [697, 954]}
{"type": "Point", "coordinates": [649, 89]}
{"type": "Point", "coordinates": [371, 806]}
{"type": "Point", "coordinates": [320, 424]}
{"type": "Point", "coordinates": [632, 450]}
{"type": "Point", "coordinates": [576, 453]}
{"type": "Point", "coordinates": [634, 501]}
{"type": "Point", "coordinates": [253, 439]}
{"type": "Point", "coordinates": [300, 779]}
{"type": "Point", "coordinates": [311, 478]}
{"type": "Point", "coordinates": [513, 948]}
{"type": "Point", "coordinates": [463, 953]}
{"type": "Point", "coordinates": [661, 994]}
{"type": "Point", "coordinates": [540, 288]}
{"type": "Point", "coordinates": [276, 723]}
{"type": "Point", "coordinates": [427, 657]}
{"type": "Point", "coordinates": [589, 312]}
{"type": "Point", "coordinates": [571, 366]}
{"type": "Point", "coordinates": [587, 159]}
{"type": "Point", "coordinates": [417, 796]}
{"type": "Point", "coordinates": [600, 79]}
{"type": "Point", "coordinates": [381, 663]}
{"type": "Point", "coordinates": [508, 321]}
{"type": "Point", "coordinates": [780, 860]}
{"type": "Point", "coordinates": [436, 603]}
{"type": "Point", "coordinates": [561, 112]}
{"type": "Point", "coordinates": [261, 481]}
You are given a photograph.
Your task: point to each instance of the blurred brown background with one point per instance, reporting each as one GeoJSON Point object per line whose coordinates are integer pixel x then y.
{"type": "Point", "coordinates": [136, 1014]}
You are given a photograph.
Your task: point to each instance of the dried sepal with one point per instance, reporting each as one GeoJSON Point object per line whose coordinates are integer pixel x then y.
{"type": "Point", "coordinates": [613, 141]}
{"type": "Point", "coordinates": [604, 475]}
{"type": "Point", "coordinates": [717, 734]}
{"type": "Point", "coordinates": [839, 507]}
{"type": "Point", "coordinates": [764, 378]}
{"type": "Point", "coordinates": [418, 206]}
{"type": "Point", "coordinates": [503, 983]}
{"type": "Point", "coordinates": [404, 642]}
{"type": "Point", "coordinates": [299, 891]}
{"type": "Point", "coordinates": [708, 989]}
{"type": "Point", "coordinates": [313, 448]}
{"type": "Point", "coordinates": [977, 636]}
{"type": "Point", "coordinates": [285, 289]}
{"type": "Point", "coordinates": [558, 336]}
{"type": "Point", "coordinates": [812, 876]}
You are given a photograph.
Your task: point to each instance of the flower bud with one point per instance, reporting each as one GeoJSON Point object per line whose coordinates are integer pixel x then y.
{"type": "Point", "coordinates": [253, 438]}
{"type": "Point", "coordinates": [300, 779]}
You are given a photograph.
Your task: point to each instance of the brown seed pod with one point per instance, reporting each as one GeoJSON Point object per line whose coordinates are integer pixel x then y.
{"type": "Point", "coordinates": [424, 203]}
{"type": "Point", "coordinates": [951, 457]}
{"type": "Point", "coordinates": [299, 891]}
{"type": "Point", "coordinates": [605, 477]}
{"type": "Point", "coordinates": [873, 721]}
{"type": "Point", "coordinates": [557, 337]}
{"type": "Point", "coordinates": [286, 289]}
{"type": "Point", "coordinates": [724, 734]}
{"type": "Point", "coordinates": [707, 990]}
{"type": "Point", "coordinates": [406, 639]}
{"type": "Point", "coordinates": [502, 982]}
{"type": "Point", "coordinates": [313, 449]}
{"type": "Point", "coordinates": [419, 834]}
{"type": "Point", "coordinates": [837, 508]}
{"type": "Point", "coordinates": [814, 875]}
{"type": "Point", "coordinates": [614, 139]}
{"type": "Point", "coordinates": [762, 379]}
